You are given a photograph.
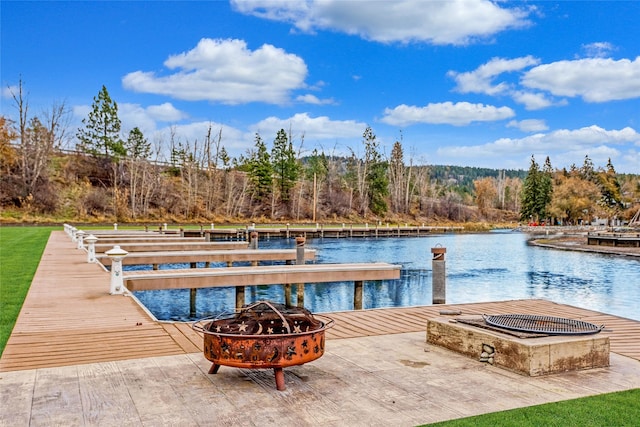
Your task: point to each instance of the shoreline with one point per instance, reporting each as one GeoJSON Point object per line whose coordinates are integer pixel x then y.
{"type": "Point", "coordinates": [579, 244]}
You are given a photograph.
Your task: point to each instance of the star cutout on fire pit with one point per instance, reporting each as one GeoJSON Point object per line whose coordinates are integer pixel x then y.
{"type": "Point", "coordinates": [242, 327]}
{"type": "Point", "coordinates": [269, 330]}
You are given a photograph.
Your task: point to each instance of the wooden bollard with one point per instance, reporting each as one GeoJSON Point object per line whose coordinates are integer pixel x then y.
{"type": "Point", "coordinates": [439, 275]}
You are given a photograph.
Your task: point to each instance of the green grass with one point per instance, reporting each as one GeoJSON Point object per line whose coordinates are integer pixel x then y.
{"type": "Point", "coordinates": [612, 409]}
{"type": "Point", "coordinates": [20, 252]}
{"type": "Point", "coordinates": [21, 249]}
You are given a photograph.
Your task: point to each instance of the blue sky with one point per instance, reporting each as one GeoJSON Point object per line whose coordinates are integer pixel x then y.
{"type": "Point", "coordinates": [460, 82]}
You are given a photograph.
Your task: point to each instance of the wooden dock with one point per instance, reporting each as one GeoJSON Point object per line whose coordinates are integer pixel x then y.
{"type": "Point", "coordinates": [172, 246]}
{"type": "Point", "coordinates": [79, 356]}
{"type": "Point", "coordinates": [69, 318]}
{"type": "Point", "coordinates": [260, 275]}
{"type": "Point", "coordinates": [228, 256]}
{"type": "Point", "coordinates": [629, 240]}
{"type": "Point", "coordinates": [320, 231]}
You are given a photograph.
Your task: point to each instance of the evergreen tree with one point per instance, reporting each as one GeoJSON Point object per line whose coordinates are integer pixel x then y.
{"type": "Point", "coordinates": [260, 169]}
{"type": "Point", "coordinates": [136, 145]}
{"type": "Point", "coordinates": [284, 163]}
{"type": "Point", "coordinates": [376, 174]}
{"type": "Point", "coordinates": [587, 171]}
{"type": "Point", "coordinates": [317, 164]}
{"type": "Point", "coordinates": [537, 191]}
{"type": "Point", "coordinates": [610, 190]}
{"type": "Point", "coordinates": [546, 189]}
{"type": "Point", "coordinates": [100, 135]}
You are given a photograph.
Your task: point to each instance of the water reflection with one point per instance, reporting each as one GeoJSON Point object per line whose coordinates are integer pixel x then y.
{"type": "Point", "coordinates": [480, 267]}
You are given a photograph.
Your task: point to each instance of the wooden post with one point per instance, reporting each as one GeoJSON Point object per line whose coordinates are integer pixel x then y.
{"type": "Point", "coordinates": [192, 296]}
{"type": "Point", "coordinates": [192, 302]}
{"type": "Point", "coordinates": [253, 241]}
{"type": "Point", "coordinates": [439, 278]}
{"type": "Point", "coordinates": [300, 260]}
{"type": "Point", "coordinates": [357, 294]}
{"type": "Point", "coordinates": [239, 297]}
{"type": "Point", "coordinates": [287, 291]}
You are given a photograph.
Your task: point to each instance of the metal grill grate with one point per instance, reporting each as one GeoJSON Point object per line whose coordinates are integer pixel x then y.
{"type": "Point", "coordinates": [542, 324]}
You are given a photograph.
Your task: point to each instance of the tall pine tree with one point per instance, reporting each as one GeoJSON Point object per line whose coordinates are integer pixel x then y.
{"type": "Point", "coordinates": [285, 165]}
{"type": "Point", "coordinates": [537, 191]}
{"type": "Point", "coordinates": [100, 135]}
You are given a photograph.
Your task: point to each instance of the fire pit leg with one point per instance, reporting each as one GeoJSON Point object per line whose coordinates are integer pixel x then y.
{"type": "Point", "coordinates": [279, 378]}
{"type": "Point", "coordinates": [214, 368]}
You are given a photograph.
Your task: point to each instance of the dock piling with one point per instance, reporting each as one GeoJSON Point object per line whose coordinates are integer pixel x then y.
{"type": "Point", "coordinates": [439, 283]}
{"type": "Point", "coordinates": [299, 261]}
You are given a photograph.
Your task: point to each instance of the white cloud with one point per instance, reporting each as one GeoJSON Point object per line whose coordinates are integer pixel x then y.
{"type": "Point", "coordinates": [592, 79]}
{"type": "Point", "coordinates": [147, 118]}
{"type": "Point", "coordinates": [481, 79]}
{"type": "Point", "coordinates": [313, 128]}
{"type": "Point", "coordinates": [529, 125]}
{"type": "Point", "coordinates": [9, 91]}
{"type": "Point", "coordinates": [458, 114]}
{"type": "Point", "coordinates": [455, 22]}
{"type": "Point", "coordinates": [225, 71]}
{"type": "Point", "coordinates": [534, 101]}
{"type": "Point", "coordinates": [312, 99]}
{"type": "Point", "coordinates": [562, 146]}
{"type": "Point", "coordinates": [598, 49]}
{"type": "Point", "coordinates": [165, 112]}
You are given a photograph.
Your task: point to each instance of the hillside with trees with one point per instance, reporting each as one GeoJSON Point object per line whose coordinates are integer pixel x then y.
{"type": "Point", "coordinates": [123, 177]}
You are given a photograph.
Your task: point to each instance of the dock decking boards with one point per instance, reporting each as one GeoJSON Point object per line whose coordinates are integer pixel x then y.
{"type": "Point", "coordinates": [69, 318]}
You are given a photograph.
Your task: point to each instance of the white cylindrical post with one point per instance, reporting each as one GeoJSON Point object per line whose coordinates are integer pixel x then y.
{"type": "Point", "coordinates": [165, 226]}
{"type": "Point", "coordinates": [73, 234]}
{"type": "Point", "coordinates": [115, 225]}
{"type": "Point", "coordinates": [117, 283]}
{"type": "Point", "coordinates": [91, 240]}
{"type": "Point", "coordinates": [79, 237]}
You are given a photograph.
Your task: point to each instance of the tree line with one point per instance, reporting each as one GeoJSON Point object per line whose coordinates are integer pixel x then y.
{"type": "Point", "coordinates": [124, 177]}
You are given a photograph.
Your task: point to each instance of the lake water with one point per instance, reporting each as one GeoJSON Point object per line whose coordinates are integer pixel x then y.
{"type": "Point", "coordinates": [480, 267]}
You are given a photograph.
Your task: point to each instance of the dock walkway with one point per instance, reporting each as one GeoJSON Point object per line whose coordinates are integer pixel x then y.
{"type": "Point", "coordinates": [79, 356]}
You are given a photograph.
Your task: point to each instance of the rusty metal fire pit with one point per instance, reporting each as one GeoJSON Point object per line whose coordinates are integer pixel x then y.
{"type": "Point", "coordinates": [263, 335]}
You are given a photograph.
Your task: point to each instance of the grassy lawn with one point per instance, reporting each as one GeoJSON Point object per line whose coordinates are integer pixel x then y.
{"type": "Point", "coordinates": [21, 249]}
{"type": "Point", "coordinates": [613, 409]}
{"type": "Point", "coordinates": [20, 252]}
